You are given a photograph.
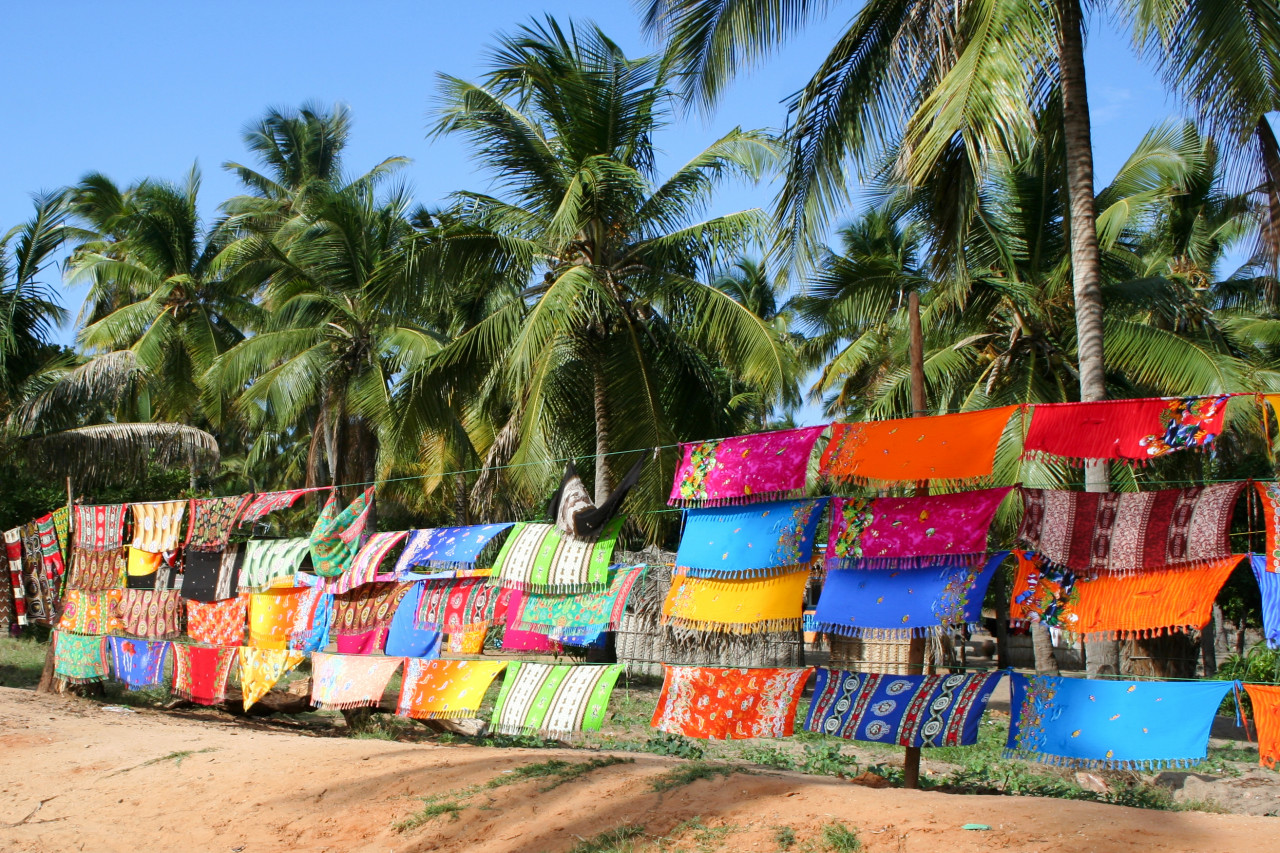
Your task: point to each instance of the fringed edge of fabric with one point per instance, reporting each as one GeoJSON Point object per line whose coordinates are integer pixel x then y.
{"type": "Point", "coordinates": [548, 588]}
{"type": "Point", "coordinates": [738, 500]}
{"type": "Point", "coordinates": [1044, 457]}
{"type": "Point", "coordinates": [1144, 764]}
{"type": "Point", "coordinates": [172, 635]}
{"type": "Point", "coordinates": [740, 574]}
{"type": "Point", "coordinates": [928, 562]}
{"type": "Point", "coordinates": [537, 732]}
{"type": "Point", "coordinates": [187, 695]}
{"type": "Point", "coordinates": [572, 630]}
{"type": "Point", "coordinates": [459, 714]}
{"type": "Point", "coordinates": [1118, 634]}
{"type": "Point", "coordinates": [767, 626]}
{"type": "Point", "coordinates": [959, 484]}
{"type": "Point", "coordinates": [865, 633]}
{"type": "Point", "coordinates": [343, 706]}
{"type": "Point", "coordinates": [1128, 572]}
{"type": "Point", "coordinates": [80, 679]}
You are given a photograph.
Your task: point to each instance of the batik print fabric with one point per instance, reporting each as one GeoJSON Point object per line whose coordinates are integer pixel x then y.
{"type": "Point", "coordinates": [200, 672]}
{"type": "Point", "coordinates": [79, 658]}
{"type": "Point", "coordinates": [468, 640]}
{"type": "Point", "coordinates": [271, 616]}
{"type": "Point", "coordinates": [1265, 700]}
{"type": "Point", "coordinates": [42, 569]}
{"type": "Point", "coordinates": [959, 448]}
{"type": "Point", "coordinates": [260, 669]}
{"type": "Point", "coordinates": [14, 582]}
{"type": "Point", "coordinates": [445, 689]}
{"type": "Point", "coordinates": [212, 520]}
{"type": "Point", "coordinates": [895, 533]}
{"type": "Point", "coordinates": [138, 663]}
{"type": "Point", "coordinates": [761, 605]}
{"type": "Point", "coordinates": [1269, 587]}
{"type": "Point", "coordinates": [1118, 532]}
{"type": "Point", "coordinates": [141, 567]}
{"type": "Point", "coordinates": [449, 548]}
{"type": "Point", "coordinates": [310, 630]}
{"type": "Point", "coordinates": [218, 623]}
{"type": "Point", "coordinates": [758, 540]}
{"type": "Point", "coordinates": [335, 539]}
{"type": "Point", "coordinates": [1115, 725]}
{"type": "Point", "coordinates": [268, 502]}
{"type": "Point", "coordinates": [536, 558]}
{"type": "Point", "coordinates": [896, 604]}
{"type": "Point", "coordinates": [97, 571]}
{"type": "Point", "coordinates": [100, 528]}
{"type": "Point", "coordinates": [762, 467]}
{"type": "Point", "coordinates": [156, 614]}
{"type": "Point", "coordinates": [1270, 494]}
{"type": "Point", "coordinates": [366, 608]}
{"type": "Point", "coordinates": [546, 700]}
{"type": "Point", "coordinates": [158, 526]}
{"type": "Point", "coordinates": [364, 569]}
{"type": "Point", "coordinates": [350, 681]}
{"type": "Point", "coordinates": [907, 710]}
{"type": "Point", "coordinates": [404, 638]}
{"type": "Point", "coordinates": [1125, 430]}
{"type": "Point", "coordinates": [213, 575]}
{"type": "Point", "coordinates": [591, 612]}
{"type": "Point", "coordinates": [456, 604]}
{"type": "Point", "coordinates": [90, 612]}
{"type": "Point", "coordinates": [268, 559]}
{"type": "Point", "coordinates": [62, 529]}
{"type": "Point", "coordinates": [707, 702]}
{"type": "Point", "coordinates": [1110, 607]}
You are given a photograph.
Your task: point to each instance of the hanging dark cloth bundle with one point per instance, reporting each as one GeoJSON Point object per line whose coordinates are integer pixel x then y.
{"type": "Point", "coordinates": [573, 511]}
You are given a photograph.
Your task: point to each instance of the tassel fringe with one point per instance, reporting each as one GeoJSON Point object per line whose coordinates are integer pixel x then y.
{"type": "Point", "coordinates": [922, 632]}
{"type": "Point", "coordinates": [88, 679]}
{"type": "Point", "coordinates": [1118, 634]}
{"type": "Point", "coordinates": [768, 626]}
{"type": "Point", "coordinates": [460, 714]}
{"type": "Point", "coordinates": [550, 589]}
{"type": "Point", "coordinates": [1090, 574]}
{"type": "Point", "coordinates": [740, 574]}
{"type": "Point", "coordinates": [1145, 764]}
{"type": "Point", "coordinates": [738, 500]}
{"type": "Point", "coordinates": [343, 706]}
{"type": "Point", "coordinates": [576, 630]}
{"type": "Point", "coordinates": [1046, 458]}
{"type": "Point", "coordinates": [964, 484]}
{"type": "Point", "coordinates": [936, 562]}
{"type": "Point", "coordinates": [198, 700]}
{"type": "Point", "coordinates": [534, 731]}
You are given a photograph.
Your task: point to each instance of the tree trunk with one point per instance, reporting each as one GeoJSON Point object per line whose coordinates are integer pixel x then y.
{"type": "Point", "coordinates": [602, 438]}
{"type": "Point", "coordinates": [1002, 618]}
{"type": "Point", "coordinates": [1168, 656]}
{"type": "Point", "coordinates": [1208, 654]}
{"type": "Point", "coordinates": [1270, 153]}
{"type": "Point", "coordinates": [461, 511]}
{"type": "Point", "coordinates": [1086, 278]}
{"type": "Point", "coordinates": [1042, 646]}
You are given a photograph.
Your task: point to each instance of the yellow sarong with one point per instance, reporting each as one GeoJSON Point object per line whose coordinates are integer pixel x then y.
{"type": "Point", "coordinates": [749, 606]}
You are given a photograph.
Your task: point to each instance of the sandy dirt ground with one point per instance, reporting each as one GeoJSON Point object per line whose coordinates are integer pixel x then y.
{"type": "Point", "coordinates": [77, 775]}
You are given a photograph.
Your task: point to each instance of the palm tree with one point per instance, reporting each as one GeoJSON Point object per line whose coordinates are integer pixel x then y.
{"type": "Point", "coordinates": [619, 323]}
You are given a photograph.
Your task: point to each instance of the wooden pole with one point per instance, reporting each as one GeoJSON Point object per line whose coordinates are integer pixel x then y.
{"type": "Point", "coordinates": [919, 408]}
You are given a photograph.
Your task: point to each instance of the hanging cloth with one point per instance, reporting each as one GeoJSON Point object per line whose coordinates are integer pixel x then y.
{"type": "Point", "coordinates": [261, 668]}
{"type": "Point", "coordinates": [1107, 607]}
{"type": "Point", "coordinates": [1127, 430]}
{"type": "Point", "coordinates": [448, 548]}
{"type": "Point", "coordinates": [959, 449]}
{"type": "Point", "coordinates": [754, 606]}
{"type": "Point", "coordinates": [709, 702]}
{"type": "Point", "coordinates": [751, 541]}
{"type": "Point", "coordinates": [574, 511]}
{"type": "Point", "coordinates": [218, 623]}
{"type": "Point", "coordinates": [79, 658]}
{"type": "Point", "coordinates": [213, 575]}
{"type": "Point", "coordinates": [536, 558]}
{"type": "Point", "coordinates": [100, 528]}
{"type": "Point", "coordinates": [138, 663]}
{"type": "Point", "coordinates": [212, 520]}
{"type": "Point", "coordinates": [455, 604]}
{"type": "Point", "coordinates": [97, 571]}
{"type": "Point", "coordinates": [200, 672]}
{"type": "Point", "coordinates": [350, 681]}
{"type": "Point", "coordinates": [1269, 587]}
{"type": "Point", "coordinates": [41, 570]}
{"type": "Point", "coordinates": [588, 612]}
{"type": "Point", "coordinates": [1265, 700]}
{"type": "Point", "coordinates": [445, 689]}
{"type": "Point", "coordinates": [404, 638]}
{"type": "Point", "coordinates": [268, 502]}
{"type": "Point", "coordinates": [364, 569]}
{"type": "Point", "coordinates": [1270, 493]}
{"type": "Point", "coordinates": [16, 586]}
{"type": "Point", "coordinates": [898, 533]}
{"type": "Point", "coordinates": [508, 612]}
{"type": "Point", "coordinates": [367, 607]}
{"type": "Point", "coordinates": [1118, 532]}
{"type": "Point", "coordinates": [152, 613]}
{"type": "Point", "coordinates": [765, 466]}
{"type": "Point", "coordinates": [265, 560]}
{"type": "Point", "coordinates": [336, 535]}
{"type": "Point", "coordinates": [549, 700]}
{"type": "Point", "coordinates": [158, 526]}
{"type": "Point", "coordinates": [90, 612]}
{"type": "Point", "coordinates": [310, 630]}
{"type": "Point", "coordinates": [271, 616]}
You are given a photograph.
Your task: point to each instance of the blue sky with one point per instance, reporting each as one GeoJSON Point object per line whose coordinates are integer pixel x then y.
{"type": "Point", "coordinates": [147, 88]}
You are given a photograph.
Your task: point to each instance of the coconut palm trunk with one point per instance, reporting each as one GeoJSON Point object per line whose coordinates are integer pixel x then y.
{"type": "Point", "coordinates": [602, 438]}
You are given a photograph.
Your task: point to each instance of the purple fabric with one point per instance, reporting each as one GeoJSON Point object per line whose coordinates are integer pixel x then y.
{"type": "Point", "coordinates": [744, 469]}
{"type": "Point", "coordinates": [909, 532]}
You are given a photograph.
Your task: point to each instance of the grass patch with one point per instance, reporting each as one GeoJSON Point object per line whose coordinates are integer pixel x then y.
{"type": "Point", "coordinates": [785, 837]}
{"type": "Point", "coordinates": [429, 812]}
{"type": "Point", "coordinates": [816, 759]}
{"type": "Point", "coordinates": [838, 838]}
{"type": "Point", "coordinates": [557, 772]}
{"type": "Point", "coordinates": [696, 831]}
{"type": "Point", "coordinates": [175, 757]}
{"type": "Point", "coordinates": [675, 746]}
{"type": "Point", "coordinates": [21, 661]}
{"type": "Point", "coordinates": [687, 774]}
{"type": "Point", "coordinates": [378, 727]}
{"type": "Point", "coordinates": [620, 839]}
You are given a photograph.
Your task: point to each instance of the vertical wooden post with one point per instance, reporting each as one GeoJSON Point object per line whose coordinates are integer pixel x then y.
{"type": "Point", "coordinates": [919, 408]}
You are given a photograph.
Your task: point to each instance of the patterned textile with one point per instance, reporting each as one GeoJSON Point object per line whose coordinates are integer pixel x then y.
{"type": "Point", "coordinates": [706, 702]}
{"type": "Point", "coordinates": [365, 608]}
{"type": "Point", "coordinates": [267, 559]}
{"type": "Point", "coordinates": [260, 669]}
{"type": "Point", "coordinates": [766, 466]}
{"type": "Point", "coordinates": [100, 528]}
{"type": "Point", "coordinates": [749, 541]}
{"type": "Point", "coordinates": [364, 569]}
{"type": "Point", "coordinates": [310, 629]}
{"type": "Point", "coordinates": [908, 710]}
{"type": "Point", "coordinates": [268, 502]}
{"type": "Point", "coordinates": [1270, 493]}
{"type": "Point", "coordinates": [887, 604]}
{"type": "Point", "coordinates": [349, 681]}
{"type": "Point", "coordinates": [157, 614]}
{"type": "Point", "coordinates": [405, 639]}
{"type": "Point", "coordinates": [959, 448]}
{"type": "Point", "coordinates": [200, 672]}
{"type": "Point", "coordinates": [455, 604]}
{"type": "Point", "coordinates": [508, 613]}
{"type": "Point", "coordinates": [897, 533]}
{"type": "Point", "coordinates": [445, 689]}
{"type": "Point", "coordinates": [1128, 430]}
{"type": "Point", "coordinates": [62, 529]}
{"type": "Point", "coordinates": [138, 663]}
{"type": "Point", "coordinates": [448, 547]}
{"type": "Point", "coordinates": [1093, 532]}
{"type": "Point", "coordinates": [90, 612]}
{"type": "Point", "coordinates": [79, 658]}
{"type": "Point", "coordinates": [41, 569]}
{"type": "Point", "coordinates": [536, 558]}
{"type": "Point", "coordinates": [212, 575]}
{"type": "Point", "coordinates": [752, 606]}
{"type": "Point", "coordinates": [586, 612]}
{"type": "Point", "coordinates": [142, 564]}
{"type": "Point", "coordinates": [369, 643]}
{"type": "Point", "coordinates": [1265, 700]}
{"type": "Point", "coordinates": [15, 585]}
{"type": "Point", "coordinates": [218, 623]}
{"type": "Point", "coordinates": [96, 571]}
{"type": "Point", "coordinates": [212, 520]}
{"type": "Point", "coordinates": [271, 616]}
{"type": "Point", "coordinates": [1117, 725]}
{"type": "Point", "coordinates": [158, 526]}
{"type": "Point", "coordinates": [336, 535]}
{"type": "Point", "coordinates": [1113, 607]}
{"type": "Point", "coordinates": [540, 699]}
{"type": "Point", "coordinates": [469, 640]}
{"type": "Point", "coordinates": [1269, 586]}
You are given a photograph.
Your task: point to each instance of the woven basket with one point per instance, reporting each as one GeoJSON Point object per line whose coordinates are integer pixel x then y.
{"type": "Point", "coordinates": [887, 657]}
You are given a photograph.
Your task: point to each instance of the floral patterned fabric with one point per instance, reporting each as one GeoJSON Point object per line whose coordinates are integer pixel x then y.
{"type": "Point", "coordinates": [79, 658]}
{"type": "Point", "coordinates": [455, 604]}
{"type": "Point", "coordinates": [90, 612]}
{"type": "Point", "coordinates": [157, 614]}
{"type": "Point", "coordinates": [310, 630]}
{"type": "Point", "coordinates": [158, 526]}
{"type": "Point", "coordinates": [404, 637]}
{"type": "Point", "coordinates": [365, 608]}
{"type": "Point", "coordinates": [736, 606]}
{"type": "Point", "coordinates": [1265, 700]}
{"type": "Point", "coordinates": [364, 569]}
{"type": "Point", "coordinates": [371, 642]}
{"type": "Point", "coordinates": [212, 520]}
{"type": "Point", "coordinates": [445, 689]}
{"type": "Point", "coordinates": [100, 528]}
{"type": "Point", "coordinates": [268, 502]}
{"type": "Point", "coordinates": [1270, 494]}
{"type": "Point", "coordinates": [761, 467]}
{"type": "Point", "coordinates": [200, 672]}
{"type": "Point", "coordinates": [1117, 532]}
{"type": "Point", "coordinates": [911, 532]}
{"type": "Point", "coordinates": [218, 623]}
{"type": "Point", "coordinates": [260, 669]}
{"type": "Point", "coordinates": [350, 681]}
{"type": "Point", "coordinates": [138, 663]}
{"type": "Point", "coordinates": [582, 613]}
{"type": "Point", "coordinates": [96, 571]}
{"type": "Point", "coordinates": [271, 616]}
{"type": "Point", "coordinates": [508, 613]}
{"type": "Point", "coordinates": [707, 702]}
{"type": "Point", "coordinates": [335, 539]}
{"type": "Point", "coordinates": [749, 541]}
{"type": "Point", "coordinates": [1127, 430]}
{"type": "Point", "coordinates": [448, 547]}
{"type": "Point", "coordinates": [1105, 607]}
{"type": "Point", "coordinates": [468, 640]}
{"type": "Point", "coordinates": [548, 700]}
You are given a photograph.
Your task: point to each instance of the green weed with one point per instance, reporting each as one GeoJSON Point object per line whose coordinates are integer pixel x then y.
{"type": "Point", "coordinates": [838, 838]}
{"type": "Point", "coordinates": [21, 661]}
{"type": "Point", "coordinates": [785, 836]}
{"type": "Point", "coordinates": [429, 811]}
{"type": "Point", "coordinates": [818, 759]}
{"type": "Point", "coordinates": [676, 746]}
{"type": "Point", "coordinates": [687, 774]}
{"type": "Point", "coordinates": [617, 840]}
{"type": "Point", "coordinates": [557, 772]}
